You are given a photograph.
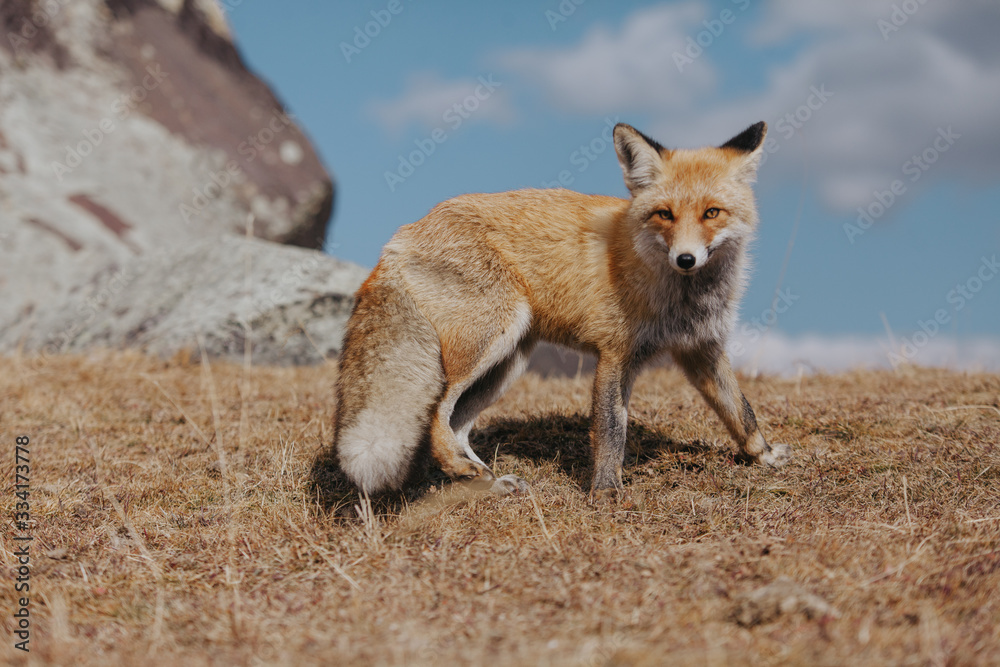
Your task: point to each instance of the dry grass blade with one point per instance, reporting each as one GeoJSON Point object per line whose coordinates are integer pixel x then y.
{"type": "Point", "coordinates": [966, 407]}
{"type": "Point", "coordinates": [366, 513]}
{"type": "Point", "coordinates": [906, 502]}
{"type": "Point", "coordinates": [156, 631]}
{"type": "Point", "coordinates": [541, 521]}
{"type": "Point", "coordinates": [325, 555]}
{"type": "Point", "coordinates": [312, 342]}
{"type": "Point", "coordinates": [746, 507]}
{"type": "Point", "coordinates": [899, 568]}
{"type": "Point", "coordinates": [247, 337]}
{"type": "Point", "coordinates": [232, 580]}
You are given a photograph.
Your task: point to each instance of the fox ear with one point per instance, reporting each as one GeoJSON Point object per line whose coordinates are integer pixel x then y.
{"type": "Point", "coordinates": [749, 139]}
{"type": "Point", "coordinates": [638, 155]}
{"type": "Point", "coordinates": [749, 146]}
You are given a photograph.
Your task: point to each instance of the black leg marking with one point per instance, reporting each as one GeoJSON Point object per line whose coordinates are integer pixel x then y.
{"type": "Point", "coordinates": [748, 417]}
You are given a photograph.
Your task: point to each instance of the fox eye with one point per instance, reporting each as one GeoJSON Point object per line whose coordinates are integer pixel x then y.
{"type": "Point", "coordinates": [665, 215]}
{"type": "Point", "coordinates": [712, 213]}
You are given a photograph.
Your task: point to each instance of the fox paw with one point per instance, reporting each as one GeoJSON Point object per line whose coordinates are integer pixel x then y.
{"type": "Point", "coordinates": [509, 484]}
{"type": "Point", "coordinates": [607, 496]}
{"type": "Point", "coordinates": [778, 456]}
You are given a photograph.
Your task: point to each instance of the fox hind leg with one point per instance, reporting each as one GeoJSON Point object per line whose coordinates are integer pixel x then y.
{"type": "Point", "coordinates": [483, 393]}
{"type": "Point", "coordinates": [480, 360]}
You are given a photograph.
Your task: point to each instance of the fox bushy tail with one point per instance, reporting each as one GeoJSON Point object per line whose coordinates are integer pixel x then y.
{"type": "Point", "coordinates": [390, 380]}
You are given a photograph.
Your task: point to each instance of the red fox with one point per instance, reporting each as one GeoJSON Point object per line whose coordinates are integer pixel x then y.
{"type": "Point", "coordinates": [448, 317]}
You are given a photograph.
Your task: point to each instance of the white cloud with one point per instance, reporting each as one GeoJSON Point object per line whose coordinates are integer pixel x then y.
{"type": "Point", "coordinates": [887, 105]}
{"type": "Point", "coordinates": [890, 99]}
{"type": "Point", "coordinates": [892, 89]}
{"type": "Point", "coordinates": [777, 353]}
{"type": "Point", "coordinates": [631, 69]}
{"type": "Point", "coordinates": [430, 101]}
{"type": "Point", "coordinates": [784, 18]}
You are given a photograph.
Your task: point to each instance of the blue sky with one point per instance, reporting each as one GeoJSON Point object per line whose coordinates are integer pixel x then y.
{"type": "Point", "coordinates": [853, 92]}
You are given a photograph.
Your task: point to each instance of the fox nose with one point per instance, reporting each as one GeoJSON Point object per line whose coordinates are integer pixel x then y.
{"type": "Point", "coordinates": [686, 261]}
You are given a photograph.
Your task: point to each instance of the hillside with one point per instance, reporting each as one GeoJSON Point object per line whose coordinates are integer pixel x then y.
{"type": "Point", "coordinates": [180, 517]}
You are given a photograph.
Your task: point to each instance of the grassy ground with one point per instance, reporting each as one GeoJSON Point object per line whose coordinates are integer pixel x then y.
{"type": "Point", "coordinates": [185, 517]}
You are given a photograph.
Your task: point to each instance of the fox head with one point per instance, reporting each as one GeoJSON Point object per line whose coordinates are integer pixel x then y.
{"type": "Point", "coordinates": [686, 204]}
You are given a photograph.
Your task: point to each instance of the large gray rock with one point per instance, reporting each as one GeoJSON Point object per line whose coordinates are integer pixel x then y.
{"type": "Point", "coordinates": [293, 302]}
{"type": "Point", "coordinates": [132, 126]}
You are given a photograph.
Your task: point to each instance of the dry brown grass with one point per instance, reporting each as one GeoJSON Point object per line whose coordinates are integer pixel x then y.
{"type": "Point", "coordinates": [169, 532]}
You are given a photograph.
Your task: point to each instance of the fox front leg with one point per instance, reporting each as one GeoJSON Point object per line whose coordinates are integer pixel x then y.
{"type": "Point", "coordinates": [710, 372]}
{"type": "Point", "coordinates": [609, 417]}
